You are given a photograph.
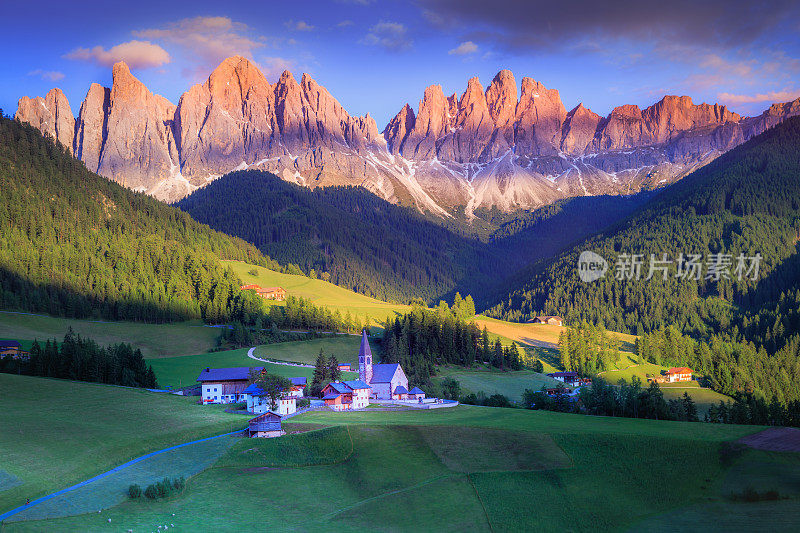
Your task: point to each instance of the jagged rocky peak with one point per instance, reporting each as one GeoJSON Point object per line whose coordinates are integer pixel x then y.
{"type": "Point", "coordinates": [539, 118]}
{"type": "Point", "coordinates": [508, 146]}
{"type": "Point", "coordinates": [579, 130]}
{"type": "Point", "coordinates": [51, 115]}
{"type": "Point", "coordinates": [398, 128]}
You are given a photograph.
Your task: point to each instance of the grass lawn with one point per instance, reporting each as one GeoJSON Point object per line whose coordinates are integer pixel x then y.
{"type": "Point", "coordinates": [511, 384]}
{"type": "Point", "coordinates": [155, 340]}
{"type": "Point", "coordinates": [320, 292]}
{"type": "Point", "coordinates": [344, 347]}
{"type": "Point", "coordinates": [460, 469]}
{"type": "Point", "coordinates": [703, 397]}
{"type": "Point", "coordinates": [181, 371]}
{"type": "Point", "coordinates": [56, 433]}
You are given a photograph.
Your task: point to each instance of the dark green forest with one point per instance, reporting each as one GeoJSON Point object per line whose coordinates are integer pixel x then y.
{"type": "Point", "coordinates": [78, 245]}
{"type": "Point", "coordinates": [745, 202]}
{"type": "Point", "coordinates": [82, 359]}
{"type": "Point", "coordinates": [357, 240]}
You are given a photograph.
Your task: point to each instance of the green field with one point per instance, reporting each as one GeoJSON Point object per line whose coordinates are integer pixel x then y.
{"type": "Point", "coordinates": [510, 384]}
{"type": "Point", "coordinates": [181, 371]}
{"type": "Point", "coordinates": [320, 292]}
{"type": "Point", "coordinates": [344, 347]}
{"type": "Point", "coordinates": [56, 433]}
{"type": "Point", "coordinates": [462, 469]}
{"type": "Point", "coordinates": [155, 340]}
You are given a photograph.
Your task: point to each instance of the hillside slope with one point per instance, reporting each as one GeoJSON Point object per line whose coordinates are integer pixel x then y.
{"type": "Point", "coordinates": [386, 251]}
{"type": "Point", "coordinates": [75, 244]}
{"type": "Point", "coordinates": [746, 202]}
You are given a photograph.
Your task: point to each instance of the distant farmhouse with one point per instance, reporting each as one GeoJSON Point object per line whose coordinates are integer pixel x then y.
{"type": "Point", "coordinates": [12, 349]}
{"type": "Point", "coordinates": [344, 368]}
{"type": "Point", "coordinates": [673, 375]}
{"type": "Point", "coordinates": [552, 320]}
{"type": "Point", "coordinates": [269, 293]}
{"type": "Point", "coordinates": [224, 385]}
{"type": "Point", "coordinates": [570, 378]}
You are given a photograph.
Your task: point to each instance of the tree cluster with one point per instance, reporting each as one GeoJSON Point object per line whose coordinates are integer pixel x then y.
{"type": "Point", "coordinates": [82, 359]}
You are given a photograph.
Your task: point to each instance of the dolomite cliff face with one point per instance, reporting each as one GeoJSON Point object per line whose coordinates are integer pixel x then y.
{"type": "Point", "coordinates": [493, 147]}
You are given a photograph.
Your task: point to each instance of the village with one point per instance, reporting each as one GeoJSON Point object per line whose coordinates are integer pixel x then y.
{"type": "Point", "coordinates": [384, 385]}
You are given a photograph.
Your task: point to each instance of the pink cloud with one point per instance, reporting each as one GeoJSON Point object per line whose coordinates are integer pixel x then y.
{"type": "Point", "coordinates": [137, 54]}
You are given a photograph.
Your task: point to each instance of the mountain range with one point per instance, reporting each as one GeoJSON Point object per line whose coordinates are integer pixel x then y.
{"type": "Point", "coordinates": [454, 157]}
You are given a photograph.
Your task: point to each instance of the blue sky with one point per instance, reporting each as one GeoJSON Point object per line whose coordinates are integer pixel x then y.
{"type": "Point", "coordinates": [374, 56]}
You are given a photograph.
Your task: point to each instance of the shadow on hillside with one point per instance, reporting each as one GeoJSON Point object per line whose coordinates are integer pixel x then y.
{"type": "Point", "coordinates": [20, 294]}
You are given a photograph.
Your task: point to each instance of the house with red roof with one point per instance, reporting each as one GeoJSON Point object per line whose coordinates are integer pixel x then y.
{"type": "Point", "coordinates": [346, 395]}
{"type": "Point", "coordinates": [680, 373]}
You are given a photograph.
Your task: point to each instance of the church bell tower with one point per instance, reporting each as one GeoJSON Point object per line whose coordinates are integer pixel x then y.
{"type": "Point", "coordinates": [365, 360]}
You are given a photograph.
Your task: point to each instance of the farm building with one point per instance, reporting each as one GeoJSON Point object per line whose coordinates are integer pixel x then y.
{"type": "Point", "coordinates": [566, 377]}
{"type": "Point", "coordinates": [383, 379]}
{"type": "Point", "coordinates": [265, 425]}
{"type": "Point", "coordinates": [224, 385]}
{"type": "Point", "coordinates": [552, 320]}
{"type": "Point", "coordinates": [344, 395]}
{"type": "Point", "coordinates": [11, 348]}
{"type": "Point", "coordinates": [344, 368]}
{"type": "Point", "coordinates": [268, 293]}
{"type": "Point", "coordinates": [676, 374]}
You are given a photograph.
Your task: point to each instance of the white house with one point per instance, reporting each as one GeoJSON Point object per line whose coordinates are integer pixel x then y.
{"type": "Point", "coordinates": [383, 379]}
{"type": "Point", "coordinates": [224, 385]}
{"type": "Point", "coordinates": [344, 395]}
{"type": "Point", "coordinates": [258, 401]}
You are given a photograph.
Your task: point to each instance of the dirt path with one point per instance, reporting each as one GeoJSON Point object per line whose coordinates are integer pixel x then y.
{"type": "Point", "coordinates": [777, 439]}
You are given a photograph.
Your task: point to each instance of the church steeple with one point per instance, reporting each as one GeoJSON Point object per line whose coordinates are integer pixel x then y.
{"type": "Point", "coordinates": [365, 359]}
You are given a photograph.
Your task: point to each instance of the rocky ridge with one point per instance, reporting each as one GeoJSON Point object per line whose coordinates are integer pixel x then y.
{"type": "Point", "coordinates": [485, 148]}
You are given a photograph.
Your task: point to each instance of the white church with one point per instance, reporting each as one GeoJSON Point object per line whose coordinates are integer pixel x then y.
{"type": "Point", "coordinates": [386, 381]}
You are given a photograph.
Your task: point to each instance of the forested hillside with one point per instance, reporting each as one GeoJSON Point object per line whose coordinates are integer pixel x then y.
{"type": "Point", "coordinates": [746, 202]}
{"type": "Point", "coordinates": [356, 240]}
{"type": "Point", "coordinates": [75, 244]}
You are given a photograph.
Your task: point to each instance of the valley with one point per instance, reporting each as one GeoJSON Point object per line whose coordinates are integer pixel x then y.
{"type": "Point", "coordinates": [400, 266]}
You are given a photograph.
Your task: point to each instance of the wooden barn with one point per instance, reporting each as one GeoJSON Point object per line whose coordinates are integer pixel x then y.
{"type": "Point", "coordinates": [552, 320]}
{"type": "Point", "coordinates": [265, 425]}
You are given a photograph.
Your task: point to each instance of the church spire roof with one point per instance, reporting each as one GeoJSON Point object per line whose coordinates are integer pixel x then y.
{"type": "Point", "coordinates": [365, 349]}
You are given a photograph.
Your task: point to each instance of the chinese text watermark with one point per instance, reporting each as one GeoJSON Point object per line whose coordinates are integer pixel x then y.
{"type": "Point", "coordinates": [713, 267]}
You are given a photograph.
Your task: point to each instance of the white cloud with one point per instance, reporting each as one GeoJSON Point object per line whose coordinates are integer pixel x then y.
{"type": "Point", "coordinates": [771, 97]}
{"type": "Point", "coordinates": [390, 35]}
{"type": "Point", "coordinates": [300, 25]}
{"type": "Point", "coordinates": [49, 75]}
{"type": "Point", "coordinates": [207, 40]}
{"type": "Point", "coordinates": [273, 67]}
{"type": "Point", "coordinates": [465, 48]}
{"type": "Point", "coordinates": [345, 23]}
{"type": "Point", "coordinates": [137, 54]}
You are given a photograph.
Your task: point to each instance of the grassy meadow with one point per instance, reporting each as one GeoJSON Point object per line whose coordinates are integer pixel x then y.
{"type": "Point", "coordinates": [511, 384]}
{"type": "Point", "coordinates": [155, 340]}
{"type": "Point", "coordinates": [344, 347]}
{"type": "Point", "coordinates": [461, 469]}
{"type": "Point", "coordinates": [56, 433]}
{"type": "Point", "coordinates": [320, 292]}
